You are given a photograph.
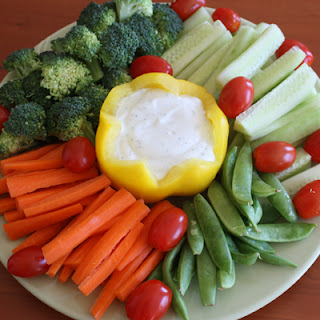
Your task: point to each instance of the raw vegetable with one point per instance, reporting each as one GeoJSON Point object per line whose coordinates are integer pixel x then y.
{"type": "Point", "coordinates": [228, 17]}
{"type": "Point", "coordinates": [185, 8]}
{"type": "Point", "coordinates": [312, 146]}
{"type": "Point", "coordinates": [38, 164]}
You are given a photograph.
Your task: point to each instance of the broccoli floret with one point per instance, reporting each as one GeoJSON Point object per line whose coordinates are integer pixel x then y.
{"type": "Point", "coordinates": [96, 94]}
{"type": "Point", "coordinates": [97, 17]}
{"type": "Point", "coordinates": [149, 38]}
{"type": "Point", "coordinates": [115, 77]}
{"type": "Point", "coordinates": [83, 44]}
{"type": "Point", "coordinates": [63, 75]}
{"type": "Point", "coordinates": [119, 45]}
{"type": "Point", "coordinates": [127, 8]}
{"type": "Point", "coordinates": [22, 61]}
{"type": "Point", "coordinates": [12, 94]}
{"type": "Point", "coordinates": [167, 22]}
{"type": "Point", "coordinates": [68, 119]}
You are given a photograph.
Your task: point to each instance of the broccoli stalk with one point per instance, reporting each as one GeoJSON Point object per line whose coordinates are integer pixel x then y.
{"type": "Point", "coordinates": [127, 8]}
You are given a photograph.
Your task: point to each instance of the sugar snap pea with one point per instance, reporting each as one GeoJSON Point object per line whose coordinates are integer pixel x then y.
{"type": "Point", "coordinates": [178, 303]}
{"type": "Point", "coordinates": [261, 188]}
{"type": "Point", "coordinates": [225, 209]}
{"type": "Point", "coordinates": [225, 279]}
{"type": "Point", "coordinates": [258, 245]}
{"type": "Point", "coordinates": [213, 233]}
{"type": "Point", "coordinates": [281, 200]}
{"type": "Point", "coordinates": [276, 260]}
{"type": "Point", "coordinates": [186, 268]}
{"type": "Point", "coordinates": [156, 273]}
{"type": "Point", "coordinates": [207, 277]}
{"type": "Point", "coordinates": [194, 233]}
{"type": "Point", "coordinates": [257, 210]}
{"type": "Point", "coordinates": [270, 213]}
{"type": "Point", "coordinates": [242, 175]}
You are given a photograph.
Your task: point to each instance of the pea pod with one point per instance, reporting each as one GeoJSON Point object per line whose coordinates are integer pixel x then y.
{"type": "Point", "coordinates": [207, 277]}
{"type": "Point", "coordinates": [225, 209]}
{"type": "Point", "coordinates": [281, 200]}
{"type": "Point", "coordinates": [261, 188]}
{"type": "Point", "coordinates": [194, 233]}
{"type": "Point", "coordinates": [242, 175]}
{"type": "Point", "coordinates": [178, 303]}
{"type": "Point", "coordinates": [186, 268]}
{"type": "Point", "coordinates": [281, 232]}
{"type": "Point", "coordinates": [225, 279]}
{"type": "Point", "coordinates": [270, 213]}
{"type": "Point", "coordinates": [213, 233]}
{"type": "Point", "coordinates": [156, 273]}
{"type": "Point", "coordinates": [257, 210]}
{"type": "Point", "coordinates": [258, 245]}
{"type": "Point", "coordinates": [276, 260]}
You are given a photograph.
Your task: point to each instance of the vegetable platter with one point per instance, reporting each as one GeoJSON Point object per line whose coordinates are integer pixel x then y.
{"type": "Point", "coordinates": [255, 287]}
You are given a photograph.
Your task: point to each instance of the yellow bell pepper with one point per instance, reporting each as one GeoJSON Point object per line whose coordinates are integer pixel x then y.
{"type": "Point", "coordinates": [187, 178]}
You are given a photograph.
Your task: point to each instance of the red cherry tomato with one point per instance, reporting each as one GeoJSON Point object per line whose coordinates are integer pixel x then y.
{"type": "Point", "coordinates": [147, 64]}
{"type": "Point", "coordinates": [79, 154]}
{"type": "Point", "coordinates": [228, 17]}
{"type": "Point", "coordinates": [185, 8]}
{"type": "Point", "coordinates": [312, 146]}
{"type": "Point", "coordinates": [274, 156]}
{"type": "Point", "coordinates": [289, 43]}
{"type": "Point", "coordinates": [236, 96]}
{"type": "Point", "coordinates": [4, 116]}
{"type": "Point", "coordinates": [28, 262]}
{"type": "Point", "coordinates": [168, 229]}
{"type": "Point", "coordinates": [150, 301]}
{"type": "Point", "coordinates": [307, 200]}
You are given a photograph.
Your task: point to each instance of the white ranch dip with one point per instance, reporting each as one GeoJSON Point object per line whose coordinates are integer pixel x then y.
{"type": "Point", "coordinates": [164, 129]}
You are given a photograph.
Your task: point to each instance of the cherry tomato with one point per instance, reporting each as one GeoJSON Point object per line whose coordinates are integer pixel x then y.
{"type": "Point", "coordinates": [168, 229]}
{"type": "Point", "coordinates": [149, 301]}
{"type": "Point", "coordinates": [228, 17]}
{"type": "Point", "coordinates": [274, 156]}
{"type": "Point", "coordinates": [28, 262]}
{"type": "Point", "coordinates": [79, 154]}
{"type": "Point", "coordinates": [185, 8]}
{"type": "Point", "coordinates": [236, 97]}
{"type": "Point", "coordinates": [289, 43]}
{"type": "Point", "coordinates": [4, 116]}
{"type": "Point", "coordinates": [307, 200]}
{"type": "Point", "coordinates": [147, 64]}
{"type": "Point", "coordinates": [312, 146]}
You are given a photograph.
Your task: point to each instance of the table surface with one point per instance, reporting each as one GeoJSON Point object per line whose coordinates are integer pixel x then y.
{"type": "Point", "coordinates": [26, 23]}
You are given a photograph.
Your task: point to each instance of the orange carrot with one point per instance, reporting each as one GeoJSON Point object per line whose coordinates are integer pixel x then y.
{"type": "Point", "coordinates": [30, 155]}
{"type": "Point", "coordinates": [88, 200]}
{"type": "Point", "coordinates": [41, 236]}
{"type": "Point", "coordinates": [140, 275]}
{"type": "Point", "coordinates": [142, 241]}
{"type": "Point", "coordinates": [7, 204]}
{"type": "Point", "coordinates": [35, 165]}
{"type": "Point", "coordinates": [103, 271]}
{"type": "Point", "coordinates": [29, 182]}
{"type": "Point", "coordinates": [20, 228]}
{"type": "Point", "coordinates": [65, 274]}
{"type": "Point", "coordinates": [55, 153]}
{"type": "Point", "coordinates": [13, 215]}
{"type": "Point", "coordinates": [3, 185]}
{"type": "Point", "coordinates": [55, 267]}
{"type": "Point", "coordinates": [69, 196]}
{"type": "Point", "coordinates": [117, 278]}
{"type": "Point", "coordinates": [66, 241]}
{"type": "Point", "coordinates": [110, 239]}
{"type": "Point", "coordinates": [108, 225]}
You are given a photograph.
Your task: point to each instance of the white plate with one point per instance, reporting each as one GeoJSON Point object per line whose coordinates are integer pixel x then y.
{"type": "Point", "coordinates": [255, 287]}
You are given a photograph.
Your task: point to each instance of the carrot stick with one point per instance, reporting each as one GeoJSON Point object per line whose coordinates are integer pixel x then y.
{"type": "Point", "coordinates": [35, 165]}
{"type": "Point", "coordinates": [3, 185]}
{"type": "Point", "coordinates": [41, 236]}
{"type": "Point", "coordinates": [110, 239]}
{"type": "Point", "coordinates": [13, 215]}
{"type": "Point", "coordinates": [30, 155]}
{"type": "Point", "coordinates": [55, 267]}
{"type": "Point", "coordinates": [69, 196]}
{"type": "Point", "coordinates": [29, 182]}
{"type": "Point", "coordinates": [66, 241]}
{"type": "Point", "coordinates": [65, 274]}
{"type": "Point", "coordinates": [124, 291]}
{"type": "Point", "coordinates": [103, 271]}
{"type": "Point", "coordinates": [106, 227]}
{"type": "Point", "coordinates": [7, 204]}
{"type": "Point", "coordinates": [142, 241]}
{"type": "Point", "coordinates": [55, 153]}
{"type": "Point", "coordinates": [117, 278]}
{"type": "Point", "coordinates": [87, 200]}
{"type": "Point", "coordinates": [20, 228]}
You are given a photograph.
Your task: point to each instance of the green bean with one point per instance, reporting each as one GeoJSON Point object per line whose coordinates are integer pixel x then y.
{"type": "Point", "coordinates": [213, 233]}
{"type": "Point", "coordinates": [258, 245]}
{"type": "Point", "coordinates": [186, 268]}
{"type": "Point", "coordinates": [242, 175]}
{"type": "Point", "coordinates": [178, 303]}
{"type": "Point", "coordinates": [281, 232]}
{"type": "Point", "coordinates": [281, 200]}
{"type": "Point", "coordinates": [225, 279]}
{"type": "Point", "coordinates": [270, 213]}
{"type": "Point", "coordinates": [207, 277]}
{"type": "Point", "coordinates": [260, 188]}
{"type": "Point", "coordinates": [194, 233]}
{"type": "Point", "coordinates": [156, 273]}
{"type": "Point", "coordinates": [225, 209]}
{"type": "Point", "coordinates": [276, 260]}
